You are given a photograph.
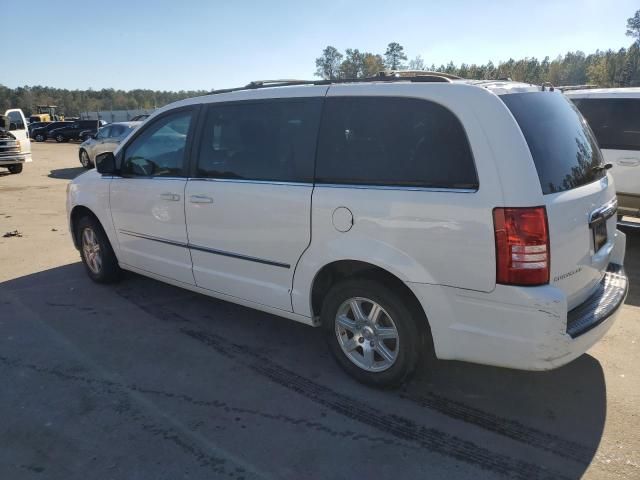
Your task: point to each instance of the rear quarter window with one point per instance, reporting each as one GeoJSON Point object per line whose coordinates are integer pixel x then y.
{"type": "Point", "coordinates": [614, 121]}
{"type": "Point", "coordinates": [393, 141]}
{"type": "Point", "coordinates": [564, 150]}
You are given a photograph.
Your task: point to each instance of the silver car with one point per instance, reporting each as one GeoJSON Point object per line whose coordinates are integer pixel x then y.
{"type": "Point", "coordinates": [106, 140]}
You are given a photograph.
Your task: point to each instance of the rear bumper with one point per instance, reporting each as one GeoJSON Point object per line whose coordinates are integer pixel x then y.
{"type": "Point", "coordinates": [526, 328]}
{"type": "Point", "coordinates": [13, 159]}
{"type": "Point", "coordinates": [602, 304]}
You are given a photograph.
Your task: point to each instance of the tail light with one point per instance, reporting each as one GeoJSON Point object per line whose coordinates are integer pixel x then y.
{"type": "Point", "coordinates": [522, 246]}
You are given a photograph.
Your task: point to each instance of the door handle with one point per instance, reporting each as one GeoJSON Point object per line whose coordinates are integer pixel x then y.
{"type": "Point", "coordinates": [628, 162]}
{"type": "Point", "coordinates": [172, 197]}
{"type": "Point", "coordinates": [200, 199]}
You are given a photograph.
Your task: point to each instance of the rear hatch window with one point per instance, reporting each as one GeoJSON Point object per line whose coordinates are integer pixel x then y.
{"type": "Point", "coordinates": [562, 145]}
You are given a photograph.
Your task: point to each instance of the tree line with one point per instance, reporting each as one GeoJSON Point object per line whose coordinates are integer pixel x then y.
{"type": "Point", "coordinates": [608, 68]}
{"type": "Point", "coordinates": [72, 102]}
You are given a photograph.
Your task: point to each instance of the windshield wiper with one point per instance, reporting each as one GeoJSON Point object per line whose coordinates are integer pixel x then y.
{"type": "Point", "coordinates": [599, 168]}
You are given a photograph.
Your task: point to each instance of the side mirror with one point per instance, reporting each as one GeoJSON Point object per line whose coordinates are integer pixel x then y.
{"type": "Point", "coordinates": [13, 126]}
{"type": "Point", "coordinates": [106, 163]}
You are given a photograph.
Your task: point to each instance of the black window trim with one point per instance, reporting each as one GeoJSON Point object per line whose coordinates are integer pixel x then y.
{"type": "Point", "coordinates": [195, 153]}
{"type": "Point", "coordinates": [388, 186]}
{"type": "Point", "coordinates": [186, 165]}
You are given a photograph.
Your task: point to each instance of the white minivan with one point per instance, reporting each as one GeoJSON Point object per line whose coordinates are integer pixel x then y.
{"type": "Point", "coordinates": [409, 217]}
{"type": "Point", "coordinates": [614, 117]}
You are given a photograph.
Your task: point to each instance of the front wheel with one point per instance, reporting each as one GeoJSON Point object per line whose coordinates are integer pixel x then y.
{"type": "Point", "coordinates": [95, 249]}
{"type": "Point", "coordinates": [17, 168]}
{"type": "Point", "coordinates": [40, 137]}
{"type": "Point", "coordinates": [59, 138]}
{"type": "Point", "coordinates": [84, 159]}
{"type": "Point", "coordinates": [372, 331]}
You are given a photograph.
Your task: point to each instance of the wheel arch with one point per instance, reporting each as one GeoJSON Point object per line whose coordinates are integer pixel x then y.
{"type": "Point", "coordinates": [338, 270]}
{"type": "Point", "coordinates": [78, 212]}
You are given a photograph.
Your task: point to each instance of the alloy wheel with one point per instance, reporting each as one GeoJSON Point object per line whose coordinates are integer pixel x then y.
{"type": "Point", "coordinates": [367, 334]}
{"type": "Point", "coordinates": [91, 250]}
{"type": "Point", "coordinates": [84, 158]}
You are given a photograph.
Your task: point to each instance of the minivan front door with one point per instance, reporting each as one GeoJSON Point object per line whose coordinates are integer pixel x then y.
{"type": "Point", "coordinates": [248, 207]}
{"type": "Point", "coordinates": [147, 201]}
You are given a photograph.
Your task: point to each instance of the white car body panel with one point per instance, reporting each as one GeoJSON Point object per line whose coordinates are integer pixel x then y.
{"type": "Point", "coordinates": [267, 221]}
{"type": "Point", "coordinates": [439, 242]}
{"type": "Point", "coordinates": [152, 208]}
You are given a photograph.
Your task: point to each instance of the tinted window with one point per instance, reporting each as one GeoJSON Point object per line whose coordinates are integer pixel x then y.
{"type": "Point", "coordinates": [562, 145]}
{"type": "Point", "coordinates": [614, 121]}
{"type": "Point", "coordinates": [159, 150]}
{"type": "Point", "coordinates": [15, 117]}
{"type": "Point", "coordinates": [393, 141]}
{"type": "Point", "coordinates": [272, 140]}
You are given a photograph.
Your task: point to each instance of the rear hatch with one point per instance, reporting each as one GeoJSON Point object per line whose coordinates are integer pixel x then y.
{"type": "Point", "coordinates": [578, 196]}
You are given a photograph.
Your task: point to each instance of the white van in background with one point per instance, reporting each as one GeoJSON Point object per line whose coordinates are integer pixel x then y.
{"type": "Point", "coordinates": [15, 146]}
{"type": "Point", "coordinates": [614, 117]}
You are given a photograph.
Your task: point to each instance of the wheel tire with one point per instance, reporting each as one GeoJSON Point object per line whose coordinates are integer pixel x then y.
{"type": "Point", "coordinates": [408, 323]}
{"type": "Point", "coordinates": [40, 138]}
{"type": "Point", "coordinates": [107, 269]}
{"type": "Point", "coordinates": [59, 138]}
{"type": "Point", "coordinates": [84, 159]}
{"type": "Point", "coordinates": [14, 169]}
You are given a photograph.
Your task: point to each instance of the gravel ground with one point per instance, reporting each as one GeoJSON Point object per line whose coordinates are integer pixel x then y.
{"type": "Point", "coordinates": [146, 381]}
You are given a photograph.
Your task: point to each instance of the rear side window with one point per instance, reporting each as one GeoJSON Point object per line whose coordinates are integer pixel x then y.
{"type": "Point", "coordinates": [269, 141]}
{"type": "Point", "coordinates": [395, 142]}
{"type": "Point", "coordinates": [614, 121]}
{"type": "Point", "coordinates": [564, 150]}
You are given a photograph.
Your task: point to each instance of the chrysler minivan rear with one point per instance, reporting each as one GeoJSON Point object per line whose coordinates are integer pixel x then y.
{"type": "Point", "coordinates": [559, 275]}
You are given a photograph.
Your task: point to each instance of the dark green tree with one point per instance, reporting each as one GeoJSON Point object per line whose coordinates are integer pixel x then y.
{"type": "Point", "coordinates": [394, 56]}
{"type": "Point", "coordinates": [633, 26]}
{"type": "Point", "coordinates": [328, 65]}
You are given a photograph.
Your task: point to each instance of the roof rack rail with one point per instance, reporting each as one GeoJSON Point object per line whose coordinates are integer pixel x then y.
{"type": "Point", "coordinates": [567, 88]}
{"type": "Point", "coordinates": [422, 73]}
{"type": "Point", "coordinates": [386, 76]}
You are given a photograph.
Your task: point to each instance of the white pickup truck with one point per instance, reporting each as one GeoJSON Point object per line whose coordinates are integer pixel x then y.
{"type": "Point", "coordinates": [15, 146]}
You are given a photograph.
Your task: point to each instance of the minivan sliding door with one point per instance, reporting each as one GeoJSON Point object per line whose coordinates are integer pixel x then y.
{"type": "Point", "coordinates": [248, 208]}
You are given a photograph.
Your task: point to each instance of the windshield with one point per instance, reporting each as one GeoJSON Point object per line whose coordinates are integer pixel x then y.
{"type": "Point", "coordinates": [562, 145]}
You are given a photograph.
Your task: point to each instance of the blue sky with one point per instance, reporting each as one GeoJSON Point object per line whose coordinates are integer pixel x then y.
{"type": "Point", "coordinates": [200, 44]}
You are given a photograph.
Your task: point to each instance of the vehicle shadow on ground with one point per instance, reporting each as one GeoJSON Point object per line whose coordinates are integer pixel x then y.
{"type": "Point", "coordinates": [66, 173]}
{"type": "Point", "coordinates": [553, 419]}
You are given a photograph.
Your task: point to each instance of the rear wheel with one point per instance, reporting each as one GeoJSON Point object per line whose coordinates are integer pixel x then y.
{"type": "Point", "coordinates": [40, 137]}
{"type": "Point", "coordinates": [17, 168]}
{"type": "Point", "coordinates": [84, 159]}
{"type": "Point", "coordinates": [97, 254]}
{"type": "Point", "coordinates": [372, 331]}
{"type": "Point", "coordinates": [60, 138]}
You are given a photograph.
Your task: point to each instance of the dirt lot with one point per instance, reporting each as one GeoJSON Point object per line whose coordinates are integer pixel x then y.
{"type": "Point", "coordinates": [145, 381]}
